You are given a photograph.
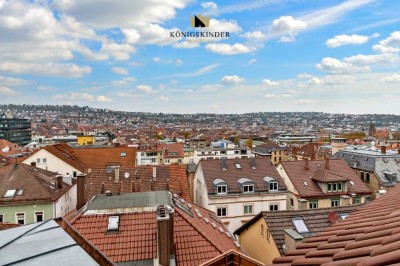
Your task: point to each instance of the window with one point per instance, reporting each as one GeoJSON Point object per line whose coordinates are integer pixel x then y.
{"type": "Point", "coordinates": [221, 212]}
{"type": "Point", "coordinates": [39, 216]}
{"type": "Point", "coordinates": [335, 203]}
{"type": "Point", "coordinates": [237, 165]}
{"type": "Point", "coordinates": [10, 193]}
{"type": "Point", "coordinates": [248, 209]}
{"type": "Point", "coordinates": [1, 218]}
{"type": "Point", "coordinates": [291, 202]}
{"type": "Point", "coordinates": [44, 160]}
{"type": "Point", "coordinates": [113, 223]}
{"type": "Point", "coordinates": [366, 177]}
{"type": "Point", "coordinates": [74, 173]}
{"type": "Point", "coordinates": [357, 200]}
{"type": "Point", "coordinates": [274, 207]}
{"type": "Point", "coordinates": [262, 230]}
{"type": "Point", "coordinates": [248, 188]}
{"type": "Point", "coordinates": [123, 154]}
{"type": "Point", "coordinates": [273, 186]}
{"type": "Point", "coordinates": [20, 218]}
{"type": "Point", "coordinates": [340, 187]}
{"type": "Point", "coordinates": [334, 187]}
{"type": "Point", "coordinates": [313, 204]}
{"type": "Point", "coordinates": [300, 225]}
{"type": "Point", "coordinates": [38, 160]}
{"type": "Point", "coordinates": [222, 189]}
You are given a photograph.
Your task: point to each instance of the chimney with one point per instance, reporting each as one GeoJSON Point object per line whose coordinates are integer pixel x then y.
{"type": "Point", "coordinates": [116, 169]}
{"type": "Point", "coordinates": [59, 181]}
{"type": "Point", "coordinates": [306, 164]}
{"type": "Point", "coordinates": [327, 162]}
{"type": "Point", "coordinates": [33, 164]}
{"type": "Point", "coordinates": [81, 193]}
{"type": "Point", "coordinates": [165, 224]}
{"type": "Point", "coordinates": [383, 149]}
{"type": "Point", "coordinates": [154, 172]}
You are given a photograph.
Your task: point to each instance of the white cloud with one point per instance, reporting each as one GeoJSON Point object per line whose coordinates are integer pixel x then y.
{"type": "Point", "coordinates": [103, 99]}
{"type": "Point", "coordinates": [251, 61]}
{"type": "Point", "coordinates": [120, 70]}
{"type": "Point", "coordinates": [314, 81]}
{"type": "Point", "coordinates": [163, 98]}
{"type": "Point", "coordinates": [48, 69]}
{"type": "Point", "coordinates": [211, 88]}
{"type": "Point", "coordinates": [46, 88]}
{"type": "Point", "coordinates": [123, 82]}
{"type": "Point", "coordinates": [269, 82]}
{"type": "Point", "coordinates": [341, 40]}
{"type": "Point", "coordinates": [186, 45]}
{"type": "Point", "coordinates": [392, 40]}
{"type": "Point", "coordinates": [364, 60]}
{"type": "Point", "coordinates": [117, 51]}
{"type": "Point", "coordinates": [7, 91]}
{"type": "Point", "coordinates": [144, 88]}
{"type": "Point", "coordinates": [228, 49]}
{"type": "Point", "coordinates": [211, 7]}
{"type": "Point", "coordinates": [73, 97]}
{"type": "Point", "coordinates": [155, 34]}
{"type": "Point", "coordinates": [232, 80]}
{"type": "Point", "coordinates": [304, 102]}
{"type": "Point", "coordinates": [384, 49]}
{"type": "Point", "coordinates": [156, 59]}
{"type": "Point", "coordinates": [254, 35]}
{"type": "Point", "coordinates": [335, 66]}
{"type": "Point", "coordinates": [287, 25]}
{"type": "Point", "coordinates": [8, 81]}
{"type": "Point", "coordinates": [391, 79]}
{"type": "Point", "coordinates": [230, 26]}
{"type": "Point", "coordinates": [277, 96]}
{"type": "Point", "coordinates": [304, 76]}
{"type": "Point", "coordinates": [131, 35]}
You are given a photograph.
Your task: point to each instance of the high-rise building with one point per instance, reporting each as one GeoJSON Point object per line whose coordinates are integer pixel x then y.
{"type": "Point", "coordinates": [15, 130]}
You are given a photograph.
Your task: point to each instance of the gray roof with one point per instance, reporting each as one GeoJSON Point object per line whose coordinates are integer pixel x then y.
{"type": "Point", "coordinates": [141, 200]}
{"type": "Point", "coordinates": [44, 243]}
{"type": "Point", "coordinates": [370, 162]}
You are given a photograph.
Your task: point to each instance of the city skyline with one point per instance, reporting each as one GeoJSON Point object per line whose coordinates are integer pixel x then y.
{"type": "Point", "coordinates": [336, 57]}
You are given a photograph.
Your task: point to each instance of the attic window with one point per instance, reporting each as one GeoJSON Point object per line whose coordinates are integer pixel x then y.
{"type": "Point", "coordinates": [351, 182]}
{"type": "Point", "coordinates": [305, 183]}
{"type": "Point", "coordinates": [273, 186]}
{"type": "Point", "coordinates": [10, 193]}
{"type": "Point", "coordinates": [20, 192]}
{"type": "Point", "coordinates": [123, 154]}
{"type": "Point", "coordinates": [248, 188]}
{"type": "Point", "coordinates": [300, 225]}
{"type": "Point", "coordinates": [318, 165]}
{"type": "Point", "coordinates": [344, 215]}
{"type": "Point", "coordinates": [113, 223]}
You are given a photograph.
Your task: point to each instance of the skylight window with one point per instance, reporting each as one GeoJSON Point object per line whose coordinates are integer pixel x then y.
{"type": "Point", "coordinates": [20, 192]}
{"type": "Point", "coordinates": [300, 225]}
{"type": "Point", "coordinates": [344, 215]}
{"type": "Point", "coordinates": [113, 223]}
{"type": "Point", "coordinates": [10, 193]}
{"type": "Point", "coordinates": [237, 165]}
{"type": "Point", "coordinates": [305, 183]}
{"type": "Point", "coordinates": [351, 182]}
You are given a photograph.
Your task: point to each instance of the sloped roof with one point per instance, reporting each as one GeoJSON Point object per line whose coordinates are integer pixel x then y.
{"type": "Point", "coordinates": [316, 220]}
{"type": "Point", "coordinates": [326, 176]}
{"type": "Point", "coordinates": [38, 185]}
{"type": "Point", "coordinates": [337, 167]}
{"type": "Point", "coordinates": [368, 236]}
{"type": "Point", "coordinates": [140, 179]}
{"type": "Point", "coordinates": [212, 169]}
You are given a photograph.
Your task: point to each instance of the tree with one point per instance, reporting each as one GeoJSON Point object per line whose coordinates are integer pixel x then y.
{"type": "Point", "coordinates": [249, 143]}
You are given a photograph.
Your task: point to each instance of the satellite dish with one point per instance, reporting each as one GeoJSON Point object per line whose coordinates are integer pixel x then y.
{"type": "Point", "coordinates": [109, 169]}
{"type": "Point", "coordinates": [126, 174]}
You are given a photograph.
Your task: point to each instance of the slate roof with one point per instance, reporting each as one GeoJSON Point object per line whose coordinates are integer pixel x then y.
{"type": "Point", "coordinates": [337, 167]}
{"type": "Point", "coordinates": [46, 243]}
{"type": "Point", "coordinates": [316, 220]}
{"type": "Point", "coordinates": [140, 179]}
{"type": "Point", "coordinates": [368, 236]}
{"type": "Point", "coordinates": [366, 161]}
{"type": "Point", "coordinates": [267, 148]}
{"type": "Point", "coordinates": [38, 185]}
{"type": "Point", "coordinates": [213, 169]}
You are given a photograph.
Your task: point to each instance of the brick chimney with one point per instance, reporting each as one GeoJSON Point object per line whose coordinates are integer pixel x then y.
{"type": "Point", "coordinates": [327, 162]}
{"type": "Point", "coordinates": [154, 172]}
{"type": "Point", "coordinates": [383, 149]}
{"type": "Point", "coordinates": [165, 229]}
{"type": "Point", "coordinates": [59, 181]}
{"type": "Point", "coordinates": [81, 191]}
{"type": "Point", "coordinates": [306, 167]}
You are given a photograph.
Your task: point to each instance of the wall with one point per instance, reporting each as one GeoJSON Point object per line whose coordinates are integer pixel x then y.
{"type": "Point", "coordinates": [86, 140]}
{"type": "Point", "coordinates": [200, 189]}
{"type": "Point", "coordinates": [53, 163]}
{"type": "Point", "coordinates": [259, 247]}
{"type": "Point", "coordinates": [9, 212]}
{"type": "Point", "coordinates": [67, 202]}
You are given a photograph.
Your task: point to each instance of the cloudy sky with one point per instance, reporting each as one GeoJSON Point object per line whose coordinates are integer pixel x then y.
{"type": "Point", "coordinates": [282, 55]}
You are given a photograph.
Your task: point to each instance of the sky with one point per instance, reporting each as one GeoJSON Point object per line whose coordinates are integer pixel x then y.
{"type": "Point", "coordinates": [337, 56]}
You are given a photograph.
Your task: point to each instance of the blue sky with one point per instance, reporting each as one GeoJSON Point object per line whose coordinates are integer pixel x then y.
{"type": "Point", "coordinates": [300, 55]}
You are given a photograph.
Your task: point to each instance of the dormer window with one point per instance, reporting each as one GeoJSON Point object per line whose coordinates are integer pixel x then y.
{"type": "Point", "coordinates": [273, 186]}
{"type": "Point", "coordinates": [335, 187]}
{"type": "Point", "coordinates": [221, 187]}
{"type": "Point", "coordinates": [247, 185]}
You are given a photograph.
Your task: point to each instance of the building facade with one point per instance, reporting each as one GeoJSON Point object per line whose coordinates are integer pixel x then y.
{"type": "Point", "coordinates": [15, 130]}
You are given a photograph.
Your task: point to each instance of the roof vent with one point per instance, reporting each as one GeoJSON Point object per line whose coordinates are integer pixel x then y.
{"type": "Point", "coordinates": [108, 193]}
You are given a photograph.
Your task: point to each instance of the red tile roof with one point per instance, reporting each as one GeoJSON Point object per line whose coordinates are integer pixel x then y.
{"type": "Point", "coordinates": [5, 226]}
{"type": "Point", "coordinates": [135, 240]}
{"type": "Point", "coordinates": [140, 179]}
{"type": "Point", "coordinates": [337, 169]}
{"type": "Point", "coordinates": [368, 236]}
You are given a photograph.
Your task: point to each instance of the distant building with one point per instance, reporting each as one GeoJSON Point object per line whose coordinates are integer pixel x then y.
{"type": "Point", "coordinates": [237, 189]}
{"type": "Point", "coordinates": [322, 184]}
{"type": "Point", "coordinates": [86, 140]}
{"type": "Point", "coordinates": [221, 153]}
{"type": "Point", "coordinates": [159, 154]}
{"type": "Point", "coordinates": [15, 130]}
{"type": "Point", "coordinates": [273, 151]}
{"type": "Point", "coordinates": [338, 144]}
{"type": "Point", "coordinates": [291, 139]}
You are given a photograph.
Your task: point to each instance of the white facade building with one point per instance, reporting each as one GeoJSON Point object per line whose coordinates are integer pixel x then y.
{"type": "Point", "coordinates": [221, 153]}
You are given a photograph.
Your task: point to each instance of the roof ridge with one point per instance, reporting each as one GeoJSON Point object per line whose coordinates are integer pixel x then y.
{"type": "Point", "coordinates": [69, 153]}
{"type": "Point", "coordinates": [36, 180]}
{"type": "Point", "coordinates": [200, 231]}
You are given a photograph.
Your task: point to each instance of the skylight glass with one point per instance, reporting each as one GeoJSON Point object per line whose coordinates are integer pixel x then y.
{"type": "Point", "coordinates": [113, 222]}
{"type": "Point", "coordinates": [301, 227]}
{"type": "Point", "coordinates": [10, 193]}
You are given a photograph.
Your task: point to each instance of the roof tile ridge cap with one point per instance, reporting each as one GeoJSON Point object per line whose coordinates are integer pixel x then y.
{"type": "Point", "coordinates": [200, 231]}
{"type": "Point", "coordinates": [37, 181]}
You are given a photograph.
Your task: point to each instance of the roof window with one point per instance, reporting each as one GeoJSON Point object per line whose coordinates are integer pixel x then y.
{"type": "Point", "coordinates": [113, 223]}
{"type": "Point", "coordinates": [10, 193]}
{"type": "Point", "coordinates": [300, 225]}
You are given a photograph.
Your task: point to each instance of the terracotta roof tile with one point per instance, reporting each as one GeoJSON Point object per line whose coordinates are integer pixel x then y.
{"type": "Point", "coordinates": [5, 226]}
